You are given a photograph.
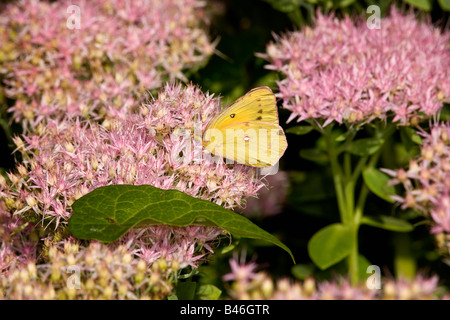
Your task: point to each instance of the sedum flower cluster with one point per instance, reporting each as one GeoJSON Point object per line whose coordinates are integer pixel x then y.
{"type": "Point", "coordinates": [248, 283]}
{"type": "Point", "coordinates": [343, 71]}
{"type": "Point", "coordinates": [427, 182]}
{"type": "Point", "coordinates": [157, 146]}
{"type": "Point", "coordinates": [57, 60]}
{"type": "Point", "coordinates": [94, 272]}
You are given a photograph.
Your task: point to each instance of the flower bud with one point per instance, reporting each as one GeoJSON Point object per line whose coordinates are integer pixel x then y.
{"type": "Point", "coordinates": [309, 286]}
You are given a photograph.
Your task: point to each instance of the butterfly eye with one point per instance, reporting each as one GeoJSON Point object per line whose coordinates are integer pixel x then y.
{"type": "Point", "coordinates": [232, 115]}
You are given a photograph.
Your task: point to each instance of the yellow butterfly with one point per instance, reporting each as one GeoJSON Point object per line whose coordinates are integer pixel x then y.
{"type": "Point", "coordinates": [248, 132]}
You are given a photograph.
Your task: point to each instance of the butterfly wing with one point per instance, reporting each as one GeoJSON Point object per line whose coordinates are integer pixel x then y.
{"type": "Point", "coordinates": [254, 143]}
{"type": "Point", "coordinates": [258, 104]}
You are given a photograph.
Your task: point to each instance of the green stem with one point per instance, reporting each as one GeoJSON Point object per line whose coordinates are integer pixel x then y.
{"type": "Point", "coordinates": [349, 187]}
{"type": "Point", "coordinates": [345, 178]}
{"type": "Point", "coordinates": [360, 204]}
{"type": "Point", "coordinates": [364, 192]}
{"type": "Point", "coordinates": [338, 177]}
{"type": "Point", "coordinates": [353, 268]}
{"type": "Point", "coordinates": [359, 168]}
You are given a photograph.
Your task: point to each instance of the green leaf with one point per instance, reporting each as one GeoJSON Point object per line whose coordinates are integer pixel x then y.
{"type": "Point", "coordinates": [300, 130]}
{"type": "Point", "coordinates": [365, 146]}
{"type": "Point", "coordinates": [302, 271]}
{"type": "Point", "coordinates": [342, 137]}
{"type": "Point", "coordinates": [208, 292]}
{"type": "Point", "coordinates": [445, 4]}
{"type": "Point", "coordinates": [342, 268]}
{"type": "Point", "coordinates": [331, 244]}
{"type": "Point", "coordinates": [387, 223]}
{"type": "Point", "coordinates": [108, 212]}
{"type": "Point", "coordinates": [314, 155]}
{"type": "Point", "coordinates": [377, 182]}
{"type": "Point", "coordinates": [405, 264]}
{"type": "Point", "coordinates": [345, 3]}
{"type": "Point", "coordinates": [363, 263]}
{"type": "Point", "coordinates": [185, 290]}
{"type": "Point", "coordinates": [409, 136]}
{"type": "Point", "coordinates": [284, 5]}
{"type": "Point", "coordinates": [230, 247]}
{"type": "Point", "coordinates": [424, 5]}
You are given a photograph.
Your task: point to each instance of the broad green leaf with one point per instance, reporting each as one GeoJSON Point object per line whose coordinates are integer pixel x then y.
{"type": "Point", "coordinates": [207, 292]}
{"type": "Point", "coordinates": [377, 182]}
{"type": "Point", "coordinates": [387, 223]}
{"type": "Point", "coordinates": [299, 130]}
{"type": "Point", "coordinates": [331, 244]}
{"type": "Point", "coordinates": [365, 146]}
{"type": "Point", "coordinates": [108, 212]}
{"type": "Point", "coordinates": [424, 5]}
{"type": "Point", "coordinates": [314, 155]}
{"type": "Point", "coordinates": [185, 290]}
{"type": "Point", "coordinates": [302, 271]}
{"type": "Point", "coordinates": [445, 4]}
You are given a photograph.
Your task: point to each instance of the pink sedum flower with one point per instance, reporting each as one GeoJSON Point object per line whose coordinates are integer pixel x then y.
{"type": "Point", "coordinates": [52, 69]}
{"type": "Point", "coordinates": [340, 70]}
{"type": "Point", "coordinates": [243, 272]}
